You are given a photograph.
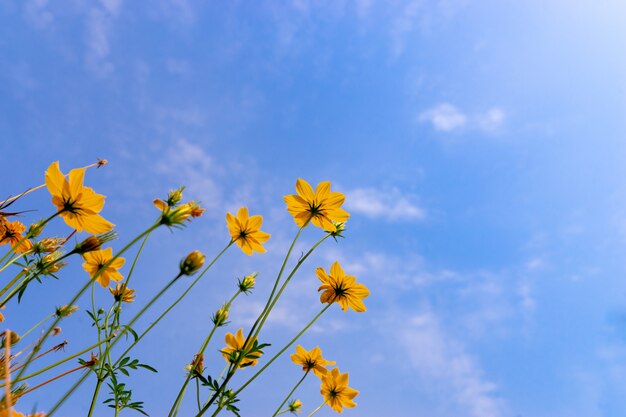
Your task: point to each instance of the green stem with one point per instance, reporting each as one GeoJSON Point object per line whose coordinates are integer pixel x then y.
{"type": "Point", "coordinates": [15, 259]}
{"type": "Point", "coordinates": [282, 288]}
{"type": "Point", "coordinates": [290, 394]}
{"type": "Point", "coordinates": [178, 300]}
{"type": "Point", "coordinates": [37, 325]}
{"type": "Point", "coordinates": [81, 291]}
{"type": "Point", "coordinates": [198, 394]}
{"type": "Point", "coordinates": [143, 310]}
{"type": "Point", "coordinates": [270, 361]}
{"type": "Point", "coordinates": [205, 343]}
{"type": "Point", "coordinates": [54, 365]}
{"type": "Point", "coordinates": [94, 398]}
{"type": "Point", "coordinates": [318, 408]}
{"type": "Point", "coordinates": [13, 281]}
{"type": "Point", "coordinates": [284, 349]}
{"type": "Point", "coordinates": [268, 306]}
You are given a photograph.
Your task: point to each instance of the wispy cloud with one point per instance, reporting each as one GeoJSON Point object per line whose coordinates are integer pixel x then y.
{"type": "Point", "coordinates": [98, 31]}
{"type": "Point", "coordinates": [37, 14]}
{"type": "Point", "coordinates": [390, 205]}
{"type": "Point", "coordinates": [438, 358]}
{"type": "Point", "coordinates": [446, 117]}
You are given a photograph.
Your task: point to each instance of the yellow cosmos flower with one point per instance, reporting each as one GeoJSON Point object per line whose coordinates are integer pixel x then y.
{"type": "Point", "coordinates": [321, 207]}
{"type": "Point", "coordinates": [123, 294]}
{"type": "Point", "coordinates": [79, 205]}
{"type": "Point", "coordinates": [97, 259]}
{"type": "Point", "coordinates": [11, 233]}
{"type": "Point", "coordinates": [234, 344]}
{"type": "Point", "coordinates": [341, 288]}
{"type": "Point", "coordinates": [336, 391]}
{"type": "Point", "coordinates": [246, 231]}
{"type": "Point", "coordinates": [311, 360]}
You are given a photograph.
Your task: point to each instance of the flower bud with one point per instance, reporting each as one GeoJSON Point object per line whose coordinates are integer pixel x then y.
{"type": "Point", "coordinates": [35, 229]}
{"type": "Point", "coordinates": [192, 263]}
{"type": "Point", "coordinates": [93, 243]}
{"type": "Point", "coordinates": [48, 245]}
{"type": "Point", "coordinates": [295, 406]}
{"type": "Point", "coordinates": [66, 310]}
{"type": "Point", "coordinates": [175, 196]}
{"type": "Point", "coordinates": [50, 263]}
{"type": "Point", "coordinates": [13, 338]}
{"type": "Point", "coordinates": [247, 283]}
{"type": "Point", "coordinates": [220, 316]}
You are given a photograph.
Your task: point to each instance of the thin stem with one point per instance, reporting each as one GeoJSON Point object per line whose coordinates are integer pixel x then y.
{"type": "Point", "coordinates": [282, 288]}
{"type": "Point", "coordinates": [11, 261]}
{"type": "Point", "coordinates": [37, 325]}
{"type": "Point", "coordinates": [54, 379]}
{"type": "Point", "coordinates": [198, 394]}
{"type": "Point", "coordinates": [62, 361]}
{"type": "Point", "coordinates": [148, 305]}
{"type": "Point", "coordinates": [318, 408]}
{"type": "Point", "coordinates": [7, 369]}
{"type": "Point", "coordinates": [205, 343]}
{"type": "Point", "coordinates": [277, 412]}
{"type": "Point", "coordinates": [178, 300]}
{"type": "Point", "coordinates": [283, 349]}
{"type": "Point", "coordinates": [94, 397]}
{"type": "Point", "coordinates": [256, 323]}
{"type": "Point", "coordinates": [270, 361]}
{"type": "Point", "coordinates": [63, 398]}
{"type": "Point", "coordinates": [82, 290]}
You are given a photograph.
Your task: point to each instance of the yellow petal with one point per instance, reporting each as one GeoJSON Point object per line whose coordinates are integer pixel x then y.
{"type": "Point", "coordinates": [77, 177]}
{"type": "Point", "coordinates": [54, 179]}
{"type": "Point", "coordinates": [336, 271]}
{"type": "Point", "coordinates": [322, 190]}
{"type": "Point", "coordinates": [304, 189]}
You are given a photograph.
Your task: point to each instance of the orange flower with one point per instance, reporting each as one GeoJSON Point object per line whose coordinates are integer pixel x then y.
{"type": "Point", "coordinates": [311, 360]}
{"type": "Point", "coordinates": [11, 232]}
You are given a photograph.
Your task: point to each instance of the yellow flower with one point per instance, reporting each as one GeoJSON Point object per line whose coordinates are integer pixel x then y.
{"type": "Point", "coordinates": [336, 391]}
{"type": "Point", "coordinates": [341, 288]}
{"type": "Point", "coordinates": [246, 231]}
{"type": "Point", "coordinates": [11, 232]}
{"type": "Point", "coordinates": [121, 293]}
{"type": "Point", "coordinates": [321, 207]}
{"type": "Point", "coordinates": [97, 259]}
{"type": "Point", "coordinates": [234, 344]}
{"type": "Point", "coordinates": [311, 360]}
{"type": "Point", "coordinates": [79, 205]}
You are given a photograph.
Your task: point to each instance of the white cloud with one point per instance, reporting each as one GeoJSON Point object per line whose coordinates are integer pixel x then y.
{"type": "Point", "coordinates": [492, 119]}
{"type": "Point", "coordinates": [390, 205]}
{"type": "Point", "coordinates": [98, 28]}
{"type": "Point", "coordinates": [444, 117]}
{"type": "Point", "coordinates": [441, 360]}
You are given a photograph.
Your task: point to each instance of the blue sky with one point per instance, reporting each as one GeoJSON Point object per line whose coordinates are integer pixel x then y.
{"type": "Point", "coordinates": [480, 144]}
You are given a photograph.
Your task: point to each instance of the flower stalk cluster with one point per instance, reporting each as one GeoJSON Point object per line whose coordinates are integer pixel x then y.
{"type": "Point", "coordinates": [32, 255]}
